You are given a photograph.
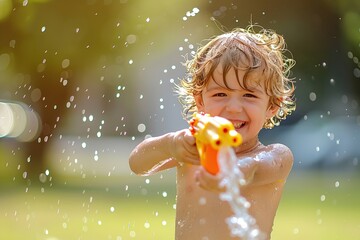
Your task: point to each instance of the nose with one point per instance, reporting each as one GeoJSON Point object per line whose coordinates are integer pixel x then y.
{"type": "Point", "coordinates": [234, 105]}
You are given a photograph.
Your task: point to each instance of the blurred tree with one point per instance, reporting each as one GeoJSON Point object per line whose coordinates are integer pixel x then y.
{"type": "Point", "coordinates": [50, 44]}
{"type": "Point", "coordinates": [56, 47]}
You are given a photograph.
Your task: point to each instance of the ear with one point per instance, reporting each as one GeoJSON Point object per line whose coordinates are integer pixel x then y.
{"type": "Point", "coordinates": [199, 102]}
{"type": "Point", "coordinates": [272, 110]}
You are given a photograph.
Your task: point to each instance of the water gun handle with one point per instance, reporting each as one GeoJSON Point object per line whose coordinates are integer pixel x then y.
{"type": "Point", "coordinates": [212, 133]}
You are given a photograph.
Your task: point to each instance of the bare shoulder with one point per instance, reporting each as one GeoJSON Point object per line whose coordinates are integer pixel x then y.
{"type": "Point", "coordinates": [280, 150]}
{"type": "Point", "coordinates": [281, 155]}
{"type": "Point", "coordinates": [278, 153]}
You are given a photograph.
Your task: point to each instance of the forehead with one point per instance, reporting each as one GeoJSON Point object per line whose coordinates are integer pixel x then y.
{"type": "Point", "coordinates": [235, 78]}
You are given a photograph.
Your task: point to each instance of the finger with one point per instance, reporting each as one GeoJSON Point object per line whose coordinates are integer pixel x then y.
{"type": "Point", "coordinates": [199, 179]}
{"type": "Point", "coordinates": [192, 151]}
{"type": "Point", "coordinates": [208, 181]}
{"type": "Point", "coordinates": [189, 138]}
{"type": "Point", "coordinates": [193, 160]}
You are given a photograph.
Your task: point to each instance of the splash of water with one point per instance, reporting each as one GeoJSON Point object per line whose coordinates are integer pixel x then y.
{"type": "Point", "coordinates": [241, 224]}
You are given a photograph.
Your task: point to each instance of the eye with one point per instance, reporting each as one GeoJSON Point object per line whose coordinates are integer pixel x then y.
{"type": "Point", "coordinates": [220, 94]}
{"type": "Point", "coordinates": [249, 95]}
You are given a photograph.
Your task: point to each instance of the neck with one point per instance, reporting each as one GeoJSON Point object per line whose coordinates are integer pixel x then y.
{"type": "Point", "coordinates": [248, 146]}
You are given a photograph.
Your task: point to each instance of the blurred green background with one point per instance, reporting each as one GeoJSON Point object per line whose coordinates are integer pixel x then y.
{"type": "Point", "coordinates": [82, 82]}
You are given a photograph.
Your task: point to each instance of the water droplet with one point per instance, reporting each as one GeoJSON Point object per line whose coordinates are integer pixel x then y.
{"type": "Point", "coordinates": [131, 39]}
{"type": "Point", "coordinates": [164, 194]}
{"type": "Point", "coordinates": [12, 43]}
{"type": "Point", "coordinates": [43, 29]}
{"type": "Point", "coordinates": [42, 177]}
{"type": "Point", "coordinates": [322, 198]}
{"type": "Point", "coordinates": [147, 20]}
{"type": "Point", "coordinates": [337, 184]}
{"type": "Point", "coordinates": [202, 201]}
{"type": "Point", "coordinates": [312, 96]}
{"type": "Point", "coordinates": [147, 225]}
{"type": "Point", "coordinates": [357, 72]}
{"type": "Point", "coordinates": [331, 136]}
{"type": "Point", "coordinates": [112, 209]}
{"type": "Point", "coordinates": [83, 145]}
{"type": "Point", "coordinates": [64, 225]}
{"type": "Point", "coordinates": [141, 127]}
{"type": "Point", "coordinates": [296, 231]}
{"type": "Point", "coordinates": [65, 63]}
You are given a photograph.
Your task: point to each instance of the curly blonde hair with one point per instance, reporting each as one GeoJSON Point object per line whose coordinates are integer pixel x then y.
{"type": "Point", "coordinates": [242, 49]}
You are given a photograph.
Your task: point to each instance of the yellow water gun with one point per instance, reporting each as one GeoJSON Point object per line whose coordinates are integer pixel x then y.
{"type": "Point", "coordinates": [212, 133]}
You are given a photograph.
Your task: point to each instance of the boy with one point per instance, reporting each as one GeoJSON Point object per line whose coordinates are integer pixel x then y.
{"type": "Point", "coordinates": [240, 76]}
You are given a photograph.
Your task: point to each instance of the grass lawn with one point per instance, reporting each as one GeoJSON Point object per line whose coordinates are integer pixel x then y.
{"type": "Point", "coordinates": [319, 205]}
{"type": "Point", "coordinates": [315, 205]}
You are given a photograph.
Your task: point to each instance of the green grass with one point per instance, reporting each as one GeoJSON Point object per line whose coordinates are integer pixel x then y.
{"type": "Point", "coordinates": [314, 206]}
{"type": "Point", "coordinates": [319, 205]}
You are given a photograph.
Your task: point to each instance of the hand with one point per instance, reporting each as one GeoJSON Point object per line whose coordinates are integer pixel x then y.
{"type": "Point", "coordinates": [208, 181]}
{"type": "Point", "coordinates": [183, 147]}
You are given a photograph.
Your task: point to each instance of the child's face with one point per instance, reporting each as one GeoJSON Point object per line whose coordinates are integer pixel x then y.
{"type": "Point", "coordinates": [247, 110]}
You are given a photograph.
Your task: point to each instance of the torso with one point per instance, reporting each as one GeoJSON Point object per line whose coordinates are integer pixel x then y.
{"type": "Point", "coordinates": [201, 215]}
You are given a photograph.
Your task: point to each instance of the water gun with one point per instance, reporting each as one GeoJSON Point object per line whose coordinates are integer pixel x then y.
{"type": "Point", "coordinates": [212, 133]}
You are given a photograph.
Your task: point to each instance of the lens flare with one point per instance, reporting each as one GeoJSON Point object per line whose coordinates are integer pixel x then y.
{"type": "Point", "coordinates": [18, 121]}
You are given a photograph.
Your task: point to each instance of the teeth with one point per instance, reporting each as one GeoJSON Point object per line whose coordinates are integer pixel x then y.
{"type": "Point", "coordinates": [238, 125]}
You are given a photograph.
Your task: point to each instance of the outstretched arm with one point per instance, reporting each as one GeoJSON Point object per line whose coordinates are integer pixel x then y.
{"type": "Point", "coordinates": [158, 153]}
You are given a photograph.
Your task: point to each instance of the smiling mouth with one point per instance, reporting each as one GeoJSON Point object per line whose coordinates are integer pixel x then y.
{"type": "Point", "coordinates": [239, 125]}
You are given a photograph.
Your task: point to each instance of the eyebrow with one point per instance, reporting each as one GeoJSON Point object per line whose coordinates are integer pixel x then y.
{"type": "Point", "coordinates": [251, 89]}
{"type": "Point", "coordinates": [256, 89]}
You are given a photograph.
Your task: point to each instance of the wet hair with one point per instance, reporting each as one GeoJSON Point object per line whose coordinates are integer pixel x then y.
{"type": "Point", "coordinates": [245, 50]}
